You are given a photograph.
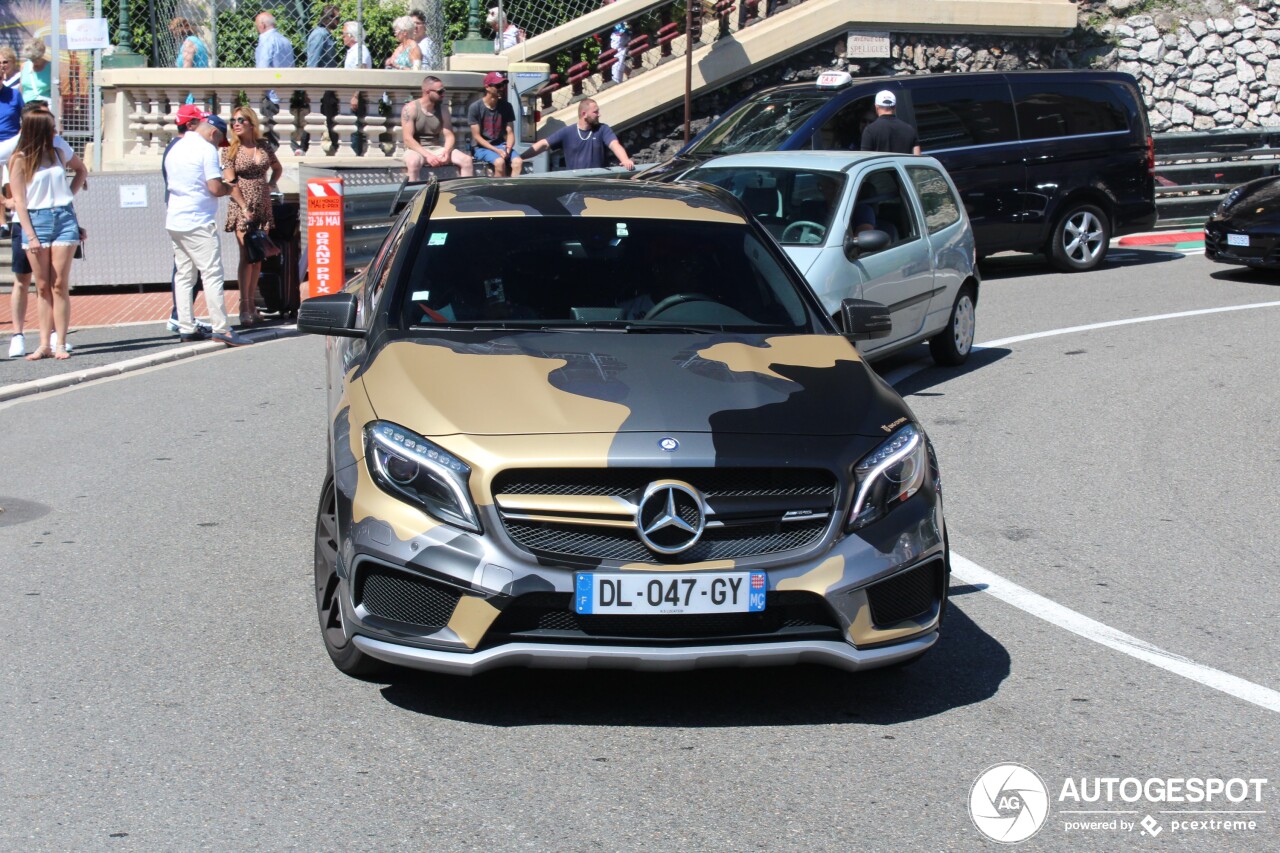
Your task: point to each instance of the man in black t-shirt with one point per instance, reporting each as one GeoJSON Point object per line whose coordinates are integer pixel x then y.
{"type": "Point", "coordinates": [492, 121]}
{"type": "Point", "coordinates": [888, 132]}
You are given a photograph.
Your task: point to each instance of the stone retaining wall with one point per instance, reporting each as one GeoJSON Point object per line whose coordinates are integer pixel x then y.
{"type": "Point", "coordinates": [1202, 64]}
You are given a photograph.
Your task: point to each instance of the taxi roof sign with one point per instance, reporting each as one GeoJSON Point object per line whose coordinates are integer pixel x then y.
{"type": "Point", "coordinates": [834, 79]}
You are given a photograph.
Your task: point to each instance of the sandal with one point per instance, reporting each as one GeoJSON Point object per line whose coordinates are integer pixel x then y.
{"type": "Point", "coordinates": [61, 354]}
{"type": "Point", "coordinates": [247, 320]}
{"type": "Point", "coordinates": [39, 353]}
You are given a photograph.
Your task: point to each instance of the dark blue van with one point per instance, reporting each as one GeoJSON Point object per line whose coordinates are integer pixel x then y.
{"type": "Point", "coordinates": [1046, 161]}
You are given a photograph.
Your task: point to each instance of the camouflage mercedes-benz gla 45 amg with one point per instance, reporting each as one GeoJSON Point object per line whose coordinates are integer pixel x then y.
{"type": "Point", "coordinates": [606, 423]}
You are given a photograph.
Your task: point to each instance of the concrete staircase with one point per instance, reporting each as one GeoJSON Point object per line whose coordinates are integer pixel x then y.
{"type": "Point", "coordinates": [795, 26]}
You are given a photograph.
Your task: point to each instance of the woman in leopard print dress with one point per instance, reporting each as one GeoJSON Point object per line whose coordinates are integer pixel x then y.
{"type": "Point", "coordinates": [246, 163]}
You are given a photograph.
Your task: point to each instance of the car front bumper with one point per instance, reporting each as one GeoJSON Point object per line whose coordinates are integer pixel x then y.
{"type": "Point", "coordinates": [649, 658]}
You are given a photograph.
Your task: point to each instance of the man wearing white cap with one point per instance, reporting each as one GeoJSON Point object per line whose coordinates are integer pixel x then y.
{"type": "Point", "coordinates": [888, 132]}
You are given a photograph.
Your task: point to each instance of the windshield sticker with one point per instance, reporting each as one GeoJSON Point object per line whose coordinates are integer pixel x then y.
{"type": "Point", "coordinates": [622, 229]}
{"type": "Point", "coordinates": [421, 295]}
{"type": "Point", "coordinates": [437, 239]}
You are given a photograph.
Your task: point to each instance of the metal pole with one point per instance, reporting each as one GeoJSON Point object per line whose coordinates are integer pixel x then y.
{"type": "Point", "coordinates": [364, 37]}
{"type": "Point", "coordinates": [55, 86]}
{"type": "Point", "coordinates": [213, 34]}
{"type": "Point", "coordinates": [688, 66]}
{"type": "Point", "coordinates": [96, 106]}
{"type": "Point", "coordinates": [155, 41]}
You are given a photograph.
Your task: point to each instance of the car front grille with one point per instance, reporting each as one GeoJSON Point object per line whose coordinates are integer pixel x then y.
{"type": "Point", "coordinates": [1263, 249]}
{"type": "Point", "coordinates": [909, 595]}
{"type": "Point", "coordinates": [589, 514]}
{"type": "Point", "coordinates": [549, 617]}
{"type": "Point", "coordinates": [400, 597]}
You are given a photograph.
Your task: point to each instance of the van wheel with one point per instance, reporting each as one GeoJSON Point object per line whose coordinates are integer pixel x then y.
{"type": "Point", "coordinates": [1080, 239]}
{"type": "Point", "coordinates": [952, 345]}
{"type": "Point", "coordinates": [346, 657]}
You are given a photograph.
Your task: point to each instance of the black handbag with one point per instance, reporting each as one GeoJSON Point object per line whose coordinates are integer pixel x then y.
{"type": "Point", "coordinates": [259, 246]}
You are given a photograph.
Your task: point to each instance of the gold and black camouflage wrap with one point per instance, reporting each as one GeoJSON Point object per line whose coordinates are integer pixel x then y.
{"type": "Point", "coordinates": [588, 402]}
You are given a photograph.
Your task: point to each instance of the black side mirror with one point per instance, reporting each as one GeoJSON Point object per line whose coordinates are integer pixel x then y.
{"type": "Point", "coordinates": [332, 314]}
{"type": "Point", "coordinates": [856, 245]}
{"type": "Point", "coordinates": [860, 319]}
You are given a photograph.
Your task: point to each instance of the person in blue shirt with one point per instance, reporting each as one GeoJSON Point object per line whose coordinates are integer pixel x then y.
{"type": "Point", "coordinates": [194, 52]}
{"type": "Point", "coordinates": [274, 50]}
{"type": "Point", "coordinates": [321, 50]}
{"type": "Point", "coordinates": [10, 94]}
{"type": "Point", "coordinates": [583, 143]}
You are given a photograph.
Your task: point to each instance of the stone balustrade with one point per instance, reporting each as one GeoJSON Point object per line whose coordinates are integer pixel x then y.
{"type": "Point", "coordinates": [321, 117]}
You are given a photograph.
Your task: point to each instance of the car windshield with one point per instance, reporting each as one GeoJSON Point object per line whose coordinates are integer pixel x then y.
{"type": "Point", "coordinates": [630, 274]}
{"type": "Point", "coordinates": [760, 125]}
{"type": "Point", "coordinates": [795, 205]}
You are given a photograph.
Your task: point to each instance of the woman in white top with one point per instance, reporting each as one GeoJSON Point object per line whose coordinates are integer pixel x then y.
{"type": "Point", "coordinates": [50, 232]}
{"type": "Point", "coordinates": [407, 54]}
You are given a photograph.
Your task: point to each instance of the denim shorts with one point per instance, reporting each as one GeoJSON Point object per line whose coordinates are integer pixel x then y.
{"type": "Point", "coordinates": [487, 156]}
{"type": "Point", "coordinates": [54, 226]}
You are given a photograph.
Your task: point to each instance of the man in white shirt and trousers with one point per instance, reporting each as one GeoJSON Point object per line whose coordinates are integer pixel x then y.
{"type": "Point", "coordinates": [195, 185]}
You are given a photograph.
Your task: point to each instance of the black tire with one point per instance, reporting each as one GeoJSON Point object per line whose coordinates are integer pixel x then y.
{"type": "Point", "coordinates": [346, 657]}
{"type": "Point", "coordinates": [1080, 238]}
{"type": "Point", "coordinates": [952, 345]}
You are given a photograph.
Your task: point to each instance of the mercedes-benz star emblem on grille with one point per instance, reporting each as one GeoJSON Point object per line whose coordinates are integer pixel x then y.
{"type": "Point", "coordinates": [671, 516]}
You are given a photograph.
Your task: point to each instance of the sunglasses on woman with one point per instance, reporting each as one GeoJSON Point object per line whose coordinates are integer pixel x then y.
{"type": "Point", "coordinates": [240, 121]}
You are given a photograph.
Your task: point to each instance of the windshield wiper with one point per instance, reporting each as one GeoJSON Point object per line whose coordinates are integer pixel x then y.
{"type": "Point", "coordinates": [625, 326]}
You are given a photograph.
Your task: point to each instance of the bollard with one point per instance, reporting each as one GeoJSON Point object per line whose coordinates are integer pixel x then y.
{"type": "Point", "coordinates": [324, 237]}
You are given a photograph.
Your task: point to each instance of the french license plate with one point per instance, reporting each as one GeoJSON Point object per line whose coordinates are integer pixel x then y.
{"type": "Point", "coordinates": [642, 593]}
{"type": "Point", "coordinates": [1237, 239]}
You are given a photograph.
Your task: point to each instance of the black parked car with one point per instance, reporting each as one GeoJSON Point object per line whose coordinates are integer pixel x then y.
{"type": "Point", "coordinates": [1245, 229]}
{"type": "Point", "coordinates": [1046, 161]}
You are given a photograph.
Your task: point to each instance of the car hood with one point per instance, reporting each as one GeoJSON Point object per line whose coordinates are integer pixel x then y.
{"type": "Point", "coordinates": [1257, 204]}
{"type": "Point", "coordinates": [504, 383]}
{"type": "Point", "coordinates": [803, 257]}
{"type": "Point", "coordinates": [670, 170]}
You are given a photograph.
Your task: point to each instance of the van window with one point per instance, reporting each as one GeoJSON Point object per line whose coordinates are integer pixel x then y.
{"type": "Point", "coordinates": [940, 206]}
{"type": "Point", "coordinates": [882, 204]}
{"type": "Point", "coordinates": [761, 125]}
{"type": "Point", "coordinates": [1047, 110]}
{"type": "Point", "coordinates": [843, 131]}
{"type": "Point", "coordinates": [957, 116]}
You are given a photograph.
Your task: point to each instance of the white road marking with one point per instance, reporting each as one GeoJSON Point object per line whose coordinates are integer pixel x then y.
{"type": "Point", "coordinates": [1077, 623]}
{"type": "Point", "coordinates": [893, 377]}
{"type": "Point", "coordinates": [1016, 339]}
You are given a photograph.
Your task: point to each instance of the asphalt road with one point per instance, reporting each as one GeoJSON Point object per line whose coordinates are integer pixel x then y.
{"type": "Point", "coordinates": [164, 686]}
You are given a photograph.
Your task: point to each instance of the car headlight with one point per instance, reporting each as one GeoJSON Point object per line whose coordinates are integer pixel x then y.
{"type": "Point", "coordinates": [1232, 198]}
{"type": "Point", "coordinates": [888, 475]}
{"type": "Point", "coordinates": [421, 473]}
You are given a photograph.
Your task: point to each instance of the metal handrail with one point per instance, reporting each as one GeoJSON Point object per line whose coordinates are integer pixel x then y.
{"type": "Point", "coordinates": [1195, 170]}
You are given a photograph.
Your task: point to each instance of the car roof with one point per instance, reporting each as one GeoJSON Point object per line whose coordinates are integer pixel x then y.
{"type": "Point", "coordinates": [828, 161]}
{"type": "Point", "coordinates": [488, 198]}
{"type": "Point", "coordinates": [911, 81]}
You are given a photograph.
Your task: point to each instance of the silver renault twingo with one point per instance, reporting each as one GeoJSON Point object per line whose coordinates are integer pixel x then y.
{"type": "Point", "coordinates": [888, 228]}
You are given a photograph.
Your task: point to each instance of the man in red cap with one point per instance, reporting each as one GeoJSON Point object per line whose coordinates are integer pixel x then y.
{"type": "Point", "coordinates": [195, 185]}
{"type": "Point", "coordinates": [189, 115]}
{"type": "Point", "coordinates": [492, 121]}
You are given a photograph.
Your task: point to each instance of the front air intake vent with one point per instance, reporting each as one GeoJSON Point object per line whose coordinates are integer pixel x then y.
{"type": "Point", "coordinates": [909, 595]}
{"type": "Point", "coordinates": [400, 597]}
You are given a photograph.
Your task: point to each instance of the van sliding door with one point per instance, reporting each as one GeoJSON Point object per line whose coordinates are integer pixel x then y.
{"type": "Point", "coordinates": [970, 127]}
